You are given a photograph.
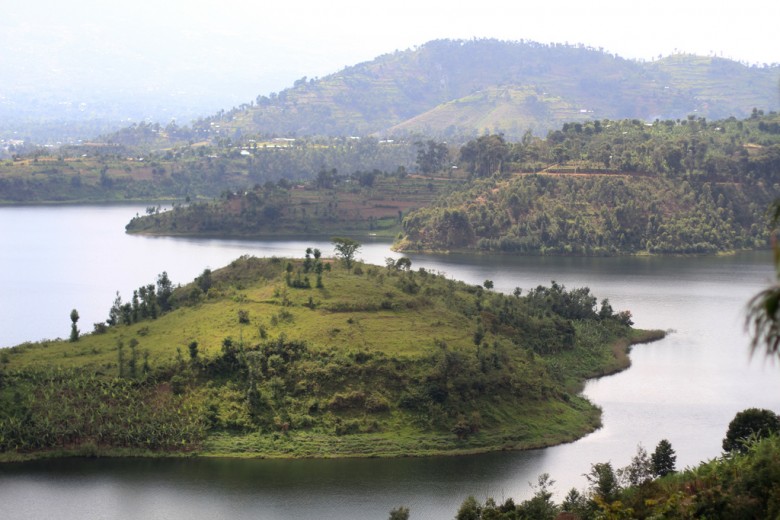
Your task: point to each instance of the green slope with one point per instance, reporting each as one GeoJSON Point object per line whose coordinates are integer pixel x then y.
{"type": "Point", "coordinates": [507, 110]}
{"type": "Point", "coordinates": [256, 360]}
{"type": "Point", "coordinates": [387, 94]}
{"type": "Point", "coordinates": [613, 187]}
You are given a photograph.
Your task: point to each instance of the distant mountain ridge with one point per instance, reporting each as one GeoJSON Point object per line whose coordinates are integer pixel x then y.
{"type": "Point", "coordinates": [456, 87]}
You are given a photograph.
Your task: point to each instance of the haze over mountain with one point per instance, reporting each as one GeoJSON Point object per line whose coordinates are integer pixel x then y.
{"type": "Point", "coordinates": [443, 88]}
{"type": "Point", "coordinates": [454, 88]}
{"type": "Point", "coordinates": [78, 68]}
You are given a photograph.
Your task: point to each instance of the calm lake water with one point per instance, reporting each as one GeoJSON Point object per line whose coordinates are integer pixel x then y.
{"type": "Point", "coordinates": [685, 388]}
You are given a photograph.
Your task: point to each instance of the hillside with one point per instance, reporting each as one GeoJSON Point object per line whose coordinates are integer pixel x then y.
{"type": "Point", "coordinates": [438, 88]}
{"type": "Point", "coordinates": [98, 172]}
{"type": "Point", "coordinates": [286, 358]}
{"type": "Point", "coordinates": [511, 110]}
{"type": "Point", "coordinates": [593, 188]}
{"type": "Point", "coordinates": [366, 203]}
{"type": "Point", "coordinates": [453, 90]}
{"type": "Point", "coordinates": [612, 187]}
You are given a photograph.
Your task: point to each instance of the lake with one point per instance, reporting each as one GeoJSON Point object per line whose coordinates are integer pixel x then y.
{"type": "Point", "coordinates": [685, 388]}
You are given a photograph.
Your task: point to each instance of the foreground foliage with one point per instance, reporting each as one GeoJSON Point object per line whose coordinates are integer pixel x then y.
{"type": "Point", "coordinates": [737, 486]}
{"type": "Point", "coordinates": [258, 359]}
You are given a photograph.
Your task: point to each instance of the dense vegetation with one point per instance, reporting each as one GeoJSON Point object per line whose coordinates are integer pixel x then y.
{"type": "Point", "coordinates": [365, 202]}
{"type": "Point", "coordinates": [606, 187]}
{"type": "Point", "coordinates": [315, 357]}
{"type": "Point", "coordinates": [735, 486]}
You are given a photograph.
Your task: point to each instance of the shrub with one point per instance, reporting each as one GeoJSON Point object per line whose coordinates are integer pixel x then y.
{"type": "Point", "coordinates": [348, 428]}
{"type": "Point", "coordinates": [354, 399]}
{"type": "Point", "coordinates": [377, 403]}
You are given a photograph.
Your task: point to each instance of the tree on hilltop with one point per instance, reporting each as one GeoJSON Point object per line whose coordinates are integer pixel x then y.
{"type": "Point", "coordinates": [346, 249]}
{"type": "Point", "coordinates": [74, 331]}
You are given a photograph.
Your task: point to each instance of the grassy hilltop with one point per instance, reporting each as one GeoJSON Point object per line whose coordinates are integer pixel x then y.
{"type": "Point", "coordinates": [306, 358]}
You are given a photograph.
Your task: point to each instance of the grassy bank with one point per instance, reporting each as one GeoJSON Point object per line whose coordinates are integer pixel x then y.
{"type": "Point", "coordinates": [309, 358]}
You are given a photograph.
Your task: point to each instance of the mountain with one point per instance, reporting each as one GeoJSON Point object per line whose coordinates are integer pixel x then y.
{"type": "Point", "coordinates": [456, 87]}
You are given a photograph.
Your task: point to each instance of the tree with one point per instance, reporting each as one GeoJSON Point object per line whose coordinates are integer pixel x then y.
{"type": "Point", "coordinates": [193, 347]}
{"type": "Point", "coordinates": [431, 156]}
{"type": "Point", "coordinates": [403, 264]}
{"type": "Point", "coordinates": [541, 506]}
{"type": "Point", "coordinates": [74, 331]}
{"type": "Point", "coordinates": [164, 292]}
{"type": "Point", "coordinates": [400, 513]}
{"type": "Point", "coordinates": [603, 482]}
{"type": "Point", "coordinates": [663, 459]}
{"type": "Point", "coordinates": [326, 179]}
{"type": "Point", "coordinates": [485, 155]}
{"type": "Point", "coordinates": [574, 502]}
{"type": "Point", "coordinates": [748, 425]}
{"type": "Point", "coordinates": [115, 313]}
{"type": "Point", "coordinates": [120, 352]}
{"type": "Point", "coordinates": [469, 510]}
{"type": "Point", "coordinates": [606, 310]}
{"type": "Point", "coordinates": [346, 249]}
{"type": "Point", "coordinates": [132, 365]}
{"type": "Point", "coordinates": [204, 280]}
{"type": "Point", "coordinates": [639, 471]}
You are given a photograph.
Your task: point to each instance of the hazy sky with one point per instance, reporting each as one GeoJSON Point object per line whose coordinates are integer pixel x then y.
{"type": "Point", "coordinates": [233, 50]}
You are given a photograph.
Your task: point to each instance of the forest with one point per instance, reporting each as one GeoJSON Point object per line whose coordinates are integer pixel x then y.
{"type": "Point", "coordinates": [611, 187]}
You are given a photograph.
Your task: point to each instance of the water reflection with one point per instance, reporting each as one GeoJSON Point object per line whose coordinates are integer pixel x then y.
{"type": "Point", "coordinates": [685, 388]}
{"type": "Point", "coordinates": [347, 488]}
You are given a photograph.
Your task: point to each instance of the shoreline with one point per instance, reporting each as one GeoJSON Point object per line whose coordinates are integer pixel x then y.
{"type": "Point", "coordinates": [307, 446]}
{"type": "Point", "coordinates": [390, 237]}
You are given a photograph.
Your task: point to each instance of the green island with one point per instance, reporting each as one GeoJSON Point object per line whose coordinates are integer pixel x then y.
{"type": "Point", "coordinates": [315, 357]}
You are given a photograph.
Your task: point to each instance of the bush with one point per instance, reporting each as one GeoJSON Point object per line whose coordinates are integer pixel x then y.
{"type": "Point", "coordinates": [100, 328]}
{"type": "Point", "coordinates": [354, 399]}
{"type": "Point", "coordinates": [376, 404]}
{"type": "Point", "coordinates": [178, 385]}
{"type": "Point", "coordinates": [348, 428]}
